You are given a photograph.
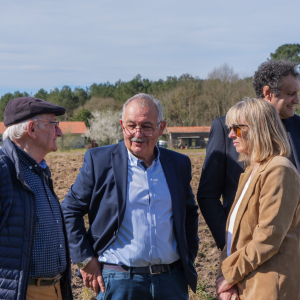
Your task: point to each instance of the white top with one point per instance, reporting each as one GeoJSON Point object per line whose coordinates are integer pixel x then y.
{"type": "Point", "coordinates": [233, 216]}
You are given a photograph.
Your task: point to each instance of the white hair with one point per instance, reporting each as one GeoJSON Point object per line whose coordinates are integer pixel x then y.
{"type": "Point", "coordinates": [149, 99]}
{"type": "Point", "coordinates": [16, 131]}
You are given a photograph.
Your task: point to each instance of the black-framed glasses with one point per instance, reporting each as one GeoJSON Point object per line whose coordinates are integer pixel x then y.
{"type": "Point", "coordinates": [56, 123]}
{"type": "Point", "coordinates": [237, 129]}
{"type": "Point", "coordinates": [145, 130]}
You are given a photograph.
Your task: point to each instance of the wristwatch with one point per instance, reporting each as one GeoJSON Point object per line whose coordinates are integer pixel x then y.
{"type": "Point", "coordinates": [82, 264]}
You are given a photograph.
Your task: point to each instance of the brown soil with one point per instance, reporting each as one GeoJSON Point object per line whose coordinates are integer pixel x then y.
{"type": "Point", "coordinates": [64, 170]}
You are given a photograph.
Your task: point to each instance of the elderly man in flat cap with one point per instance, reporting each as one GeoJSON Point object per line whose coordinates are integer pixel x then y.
{"type": "Point", "coordinates": [34, 254]}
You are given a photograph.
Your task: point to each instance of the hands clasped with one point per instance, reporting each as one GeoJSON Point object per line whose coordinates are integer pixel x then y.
{"type": "Point", "coordinates": [226, 291]}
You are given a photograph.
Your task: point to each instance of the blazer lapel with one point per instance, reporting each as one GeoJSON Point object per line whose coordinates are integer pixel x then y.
{"type": "Point", "coordinates": [246, 197]}
{"type": "Point", "coordinates": [171, 178]}
{"type": "Point", "coordinates": [294, 138]}
{"type": "Point", "coordinates": [120, 167]}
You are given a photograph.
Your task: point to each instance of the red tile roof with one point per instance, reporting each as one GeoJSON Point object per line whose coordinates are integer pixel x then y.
{"type": "Point", "coordinates": [188, 129]}
{"type": "Point", "coordinates": [70, 127]}
{"type": "Point", "coordinates": [2, 127]}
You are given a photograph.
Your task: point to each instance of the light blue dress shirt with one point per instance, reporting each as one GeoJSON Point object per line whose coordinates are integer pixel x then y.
{"type": "Point", "coordinates": [146, 236]}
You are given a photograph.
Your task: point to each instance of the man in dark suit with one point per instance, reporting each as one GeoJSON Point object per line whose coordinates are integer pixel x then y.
{"type": "Point", "coordinates": [142, 240]}
{"type": "Point", "coordinates": [276, 82]}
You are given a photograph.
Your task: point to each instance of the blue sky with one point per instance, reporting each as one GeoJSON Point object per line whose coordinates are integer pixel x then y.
{"type": "Point", "coordinates": [48, 44]}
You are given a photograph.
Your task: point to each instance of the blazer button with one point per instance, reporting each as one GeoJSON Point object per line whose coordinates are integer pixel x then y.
{"type": "Point", "coordinates": [114, 233]}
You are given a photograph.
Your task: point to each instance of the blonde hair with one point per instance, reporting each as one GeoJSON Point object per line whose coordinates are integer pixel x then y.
{"type": "Point", "coordinates": [267, 136]}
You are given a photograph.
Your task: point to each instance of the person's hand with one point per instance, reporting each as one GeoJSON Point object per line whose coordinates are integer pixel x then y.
{"type": "Point", "coordinates": [92, 276]}
{"type": "Point", "coordinates": [222, 285]}
{"type": "Point", "coordinates": [225, 296]}
{"type": "Point", "coordinates": [231, 294]}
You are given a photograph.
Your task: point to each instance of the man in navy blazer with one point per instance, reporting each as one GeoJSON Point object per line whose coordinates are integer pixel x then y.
{"type": "Point", "coordinates": [276, 82]}
{"type": "Point", "coordinates": [142, 240]}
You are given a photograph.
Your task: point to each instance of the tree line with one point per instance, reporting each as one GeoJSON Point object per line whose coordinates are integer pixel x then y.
{"type": "Point", "coordinates": [186, 100]}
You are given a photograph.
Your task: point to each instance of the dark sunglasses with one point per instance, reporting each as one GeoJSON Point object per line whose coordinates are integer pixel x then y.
{"type": "Point", "coordinates": [237, 129]}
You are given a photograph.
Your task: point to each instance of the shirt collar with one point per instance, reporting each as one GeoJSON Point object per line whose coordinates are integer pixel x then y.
{"type": "Point", "coordinates": [29, 161]}
{"type": "Point", "coordinates": [134, 160]}
{"type": "Point", "coordinates": [43, 164]}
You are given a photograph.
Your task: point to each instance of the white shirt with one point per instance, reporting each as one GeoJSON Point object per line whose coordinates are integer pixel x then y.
{"type": "Point", "coordinates": [233, 216]}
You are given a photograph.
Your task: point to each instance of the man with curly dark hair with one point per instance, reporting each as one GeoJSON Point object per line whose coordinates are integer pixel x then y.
{"type": "Point", "coordinates": [271, 74]}
{"type": "Point", "coordinates": [276, 82]}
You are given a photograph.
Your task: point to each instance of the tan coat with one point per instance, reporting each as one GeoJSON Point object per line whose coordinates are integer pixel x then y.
{"type": "Point", "coordinates": [265, 259]}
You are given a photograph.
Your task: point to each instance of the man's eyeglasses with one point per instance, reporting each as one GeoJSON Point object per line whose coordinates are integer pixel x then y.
{"type": "Point", "coordinates": [145, 130]}
{"type": "Point", "coordinates": [237, 129]}
{"type": "Point", "coordinates": [56, 123]}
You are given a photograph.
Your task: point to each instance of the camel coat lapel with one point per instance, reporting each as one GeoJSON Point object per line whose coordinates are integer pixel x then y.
{"type": "Point", "coordinates": [243, 180]}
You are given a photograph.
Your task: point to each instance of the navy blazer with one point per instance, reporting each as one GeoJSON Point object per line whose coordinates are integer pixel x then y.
{"type": "Point", "coordinates": [221, 172]}
{"type": "Point", "coordinates": [100, 191]}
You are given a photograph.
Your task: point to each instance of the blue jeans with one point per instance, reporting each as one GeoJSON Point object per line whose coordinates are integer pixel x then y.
{"type": "Point", "coordinates": [126, 286]}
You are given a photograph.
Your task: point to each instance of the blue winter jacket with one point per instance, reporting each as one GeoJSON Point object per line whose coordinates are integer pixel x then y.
{"type": "Point", "coordinates": [17, 225]}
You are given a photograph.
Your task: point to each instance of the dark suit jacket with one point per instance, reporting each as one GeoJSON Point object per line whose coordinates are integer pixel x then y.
{"type": "Point", "coordinates": [100, 191]}
{"type": "Point", "coordinates": [221, 172]}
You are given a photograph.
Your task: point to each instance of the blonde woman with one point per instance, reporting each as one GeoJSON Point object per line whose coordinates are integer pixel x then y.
{"type": "Point", "coordinates": [261, 259]}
